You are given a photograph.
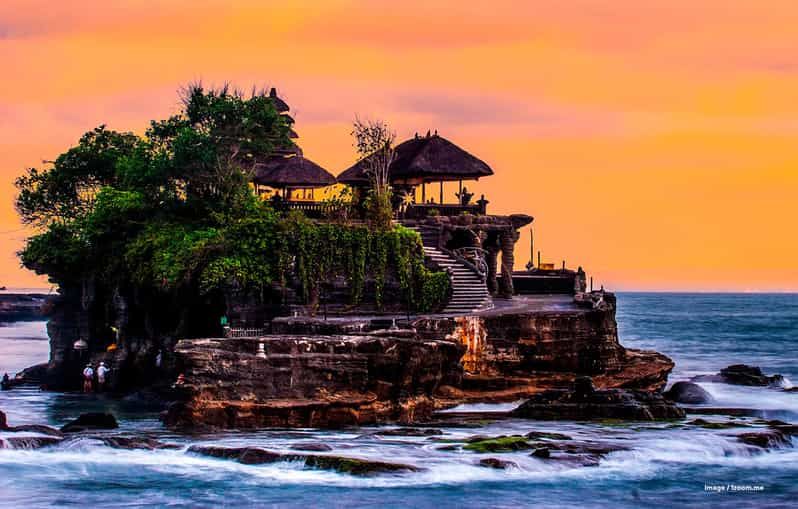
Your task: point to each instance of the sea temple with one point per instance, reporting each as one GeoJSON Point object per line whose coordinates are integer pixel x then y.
{"type": "Point", "coordinates": [308, 312]}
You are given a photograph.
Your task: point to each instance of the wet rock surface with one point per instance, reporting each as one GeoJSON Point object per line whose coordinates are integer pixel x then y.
{"type": "Point", "coordinates": [689, 393]}
{"type": "Point", "coordinates": [584, 402]}
{"type": "Point", "coordinates": [482, 444]}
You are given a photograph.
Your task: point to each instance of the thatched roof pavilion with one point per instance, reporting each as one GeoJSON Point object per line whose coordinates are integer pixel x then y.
{"type": "Point", "coordinates": [292, 172]}
{"type": "Point", "coordinates": [424, 159]}
{"type": "Point", "coordinates": [280, 105]}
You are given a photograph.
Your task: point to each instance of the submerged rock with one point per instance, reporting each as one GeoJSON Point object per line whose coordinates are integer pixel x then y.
{"type": "Point", "coordinates": [545, 435]}
{"type": "Point", "coordinates": [36, 428]}
{"type": "Point", "coordinates": [543, 452]}
{"type": "Point", "coordinates": [688, 392]}
{"type": "Point", "coordinates": [742, 374]}
{"type": "Point", "coordinates": [29, 428]}
{"type": "Point", "coordinates": [258, 456]}
{"type": "Point", "coordinates": [587, 403]}
{"type": "Point", "coordinates": [91, 421]}
{"type": "Point", "coordinates": [355, 466]}
{"type": "Point", "coordinates": [497, 463]}
{"type": "Point", "coordinates": [409, 432]}
{"type": "Point", "coordinates": [771, 439]}
{"type": "Point", "coordinates": [311, 446]}
{"type": "Point", "coordinates": [498, 444]}
{"type": "Point", "coordinates": [578, 454]}
{"type": "Point", "coordinates": [136, 443]}
{"type": "Point", "coordinates": [716, 425]}
{"type": "Point", "coordinates": [28, 442]}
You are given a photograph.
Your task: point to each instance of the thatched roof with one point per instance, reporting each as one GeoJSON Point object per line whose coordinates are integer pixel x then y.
{"type": "Point", "coordinates": [280, 105]}
{"type": "Point", "coordinates": [430, 158]}
{"type": "Point", "coordinates": [292, 171]}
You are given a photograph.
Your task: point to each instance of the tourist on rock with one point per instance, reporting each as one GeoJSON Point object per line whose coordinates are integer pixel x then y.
{"type": "Point", "coordinates": [102, 371]}
{"type": "Point", "coordinates": [6, 383]}
{"type": "Point", "coordinates": [88, 378]}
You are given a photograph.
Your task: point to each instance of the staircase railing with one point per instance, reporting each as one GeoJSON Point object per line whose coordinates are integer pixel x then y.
{"type": "Point", "coordinates": [474, 258]}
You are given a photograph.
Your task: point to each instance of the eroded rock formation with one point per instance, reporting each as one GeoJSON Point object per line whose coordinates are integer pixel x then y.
{"type": "Point", "coordinates": [324, 381]}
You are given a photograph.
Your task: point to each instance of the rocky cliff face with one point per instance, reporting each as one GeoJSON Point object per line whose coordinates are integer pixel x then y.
{"type": "Point", "coordinates": [331, 374]}
{"type": "Point", "coordinates": [324, 381]}
{"type": "Point", "coordinates": [516, 353]}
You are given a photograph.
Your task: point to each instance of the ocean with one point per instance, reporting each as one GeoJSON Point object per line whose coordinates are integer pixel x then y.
{"type": "Point", "coordinates": [665, 465]}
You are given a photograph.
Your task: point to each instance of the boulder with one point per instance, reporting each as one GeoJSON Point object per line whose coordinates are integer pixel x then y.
{"type": "Point", "coordinates": [3, 422]}
{"type": "Point", "coordinates": [585, 403]}
{"type": "Point", "coordinates": [497, 463]}
{"type": "Point", "coordinates": [689, 393]}
{"type": "Point", "coordinates": [91, 421]}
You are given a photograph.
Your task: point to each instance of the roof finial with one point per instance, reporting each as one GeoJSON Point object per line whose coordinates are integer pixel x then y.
{"type": "Point", "coordinates": [436, 132]}
{"type": "Point", "coordinates": [427, 133]}
{"type": "Point", "coordinates": [416, 135]}
{"type": "Point", "coordinates": [273, 92]}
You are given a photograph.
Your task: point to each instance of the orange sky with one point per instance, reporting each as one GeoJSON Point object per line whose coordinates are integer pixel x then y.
{"type": "Point", "coordinates": [655, 142]}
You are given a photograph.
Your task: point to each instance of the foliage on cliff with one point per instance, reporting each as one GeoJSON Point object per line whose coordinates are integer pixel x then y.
{"type": "Point", "coordinates": [173, 212]}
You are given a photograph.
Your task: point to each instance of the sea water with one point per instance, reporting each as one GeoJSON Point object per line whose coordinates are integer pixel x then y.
{"type": "Point", "coordinates": [664, 465]}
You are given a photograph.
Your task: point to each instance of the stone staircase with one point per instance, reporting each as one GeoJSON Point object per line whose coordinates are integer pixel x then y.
{"type": "Point", "coordinates": [469, 292]}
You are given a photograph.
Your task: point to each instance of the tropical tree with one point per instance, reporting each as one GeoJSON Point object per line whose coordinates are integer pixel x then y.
{"type": "Point", "coordinates": [373, 140]}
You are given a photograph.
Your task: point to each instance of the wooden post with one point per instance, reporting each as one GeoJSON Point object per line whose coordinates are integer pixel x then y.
{"type": "Point", "coordinates": [441, 192]}
{"type": "Point", "coordinates": [591, 283]}
{"type": "Point", "coordinates": [532, 247]}
{"type": "Point", "coordinates": [460, 195]}
{"type": "Point", "coordinates": [538, 259]}
{"type": "Point", "coordinates": [423, 191]}
{"type": "Point", "coordinates": [563, 265]}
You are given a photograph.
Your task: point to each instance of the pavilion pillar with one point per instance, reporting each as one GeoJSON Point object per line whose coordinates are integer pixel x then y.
{"type": "Point", "coordinates": [507, 242]}
{"type": "Point", "coordinates": [423, 192]}
{"type": "Point", "coordinates": [492, 260]}
{"type": "Point", "coordinates": [441, 200]}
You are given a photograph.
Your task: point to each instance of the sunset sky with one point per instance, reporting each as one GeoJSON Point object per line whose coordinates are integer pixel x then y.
{"type": "Point", "coordinates": [655, 142]}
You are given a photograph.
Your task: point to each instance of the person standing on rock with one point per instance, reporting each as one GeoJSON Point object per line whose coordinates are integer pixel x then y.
{"type": "Point", "coordinates": [102, 372]}
{"type": "Point", "coordinates": [88, 378]}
